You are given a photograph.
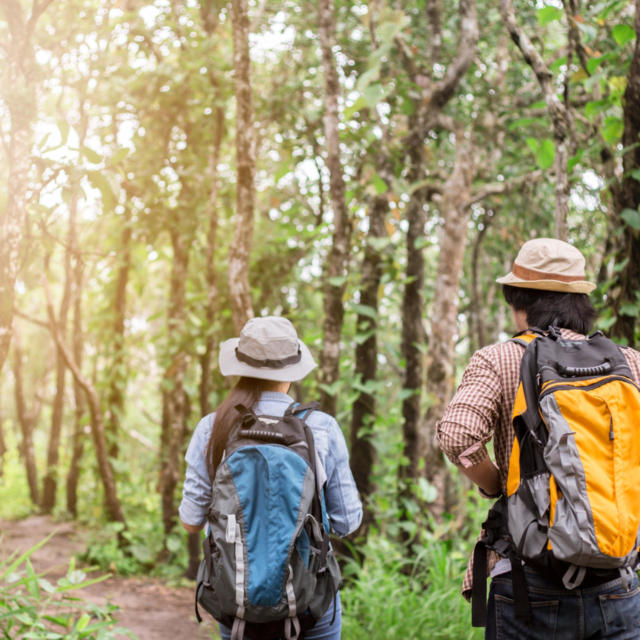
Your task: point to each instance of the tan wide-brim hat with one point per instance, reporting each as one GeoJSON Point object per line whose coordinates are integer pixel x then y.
{"type": "Point", "coordinates": [549, 264]}
{"type": "Point", "coordinates": [268, 348]}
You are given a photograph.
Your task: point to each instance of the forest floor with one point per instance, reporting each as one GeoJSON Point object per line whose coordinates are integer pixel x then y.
{"type": "Point", "coordinates": [149, 608]}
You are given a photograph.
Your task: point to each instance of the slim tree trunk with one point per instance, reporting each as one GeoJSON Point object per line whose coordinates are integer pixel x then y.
{"type": "Point", "coordinates": [117, 373]}
{"type": "Point", "coordinates": [557, 110]}
{"type": "Point", "coordinates": [239, 251]}
{"type": "Point", "coordinates": [338, 259]}
{"type": "Point", "coordinates": [444, 311]}
{"type": "Point", "coordinates": [27, 421]}
{"type": "Point", "coordinates": [20, 98]}
{"type": "Point", "coordinates": [77, 443]}
{"type": "Point", "coordinates": [174, 400]}
{"type": "Point", "coordinates": [627, 196]}
{"type": "Point", "coordinates": [3, 445]}
{"type": "Point", "coordinates": [366, 356]}
{"type": "Point", "coordinates": [412, 310]}
{"type": "Point", "coordinates": [50, 481]}
{"type": "Point", "coordinates": [112, 502]}
{"type": "Point", "coordinates": [212, 279]}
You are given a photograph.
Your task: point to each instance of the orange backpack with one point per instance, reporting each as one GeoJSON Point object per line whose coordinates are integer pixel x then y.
{"type": "Point", "coordinates": [573, 486]}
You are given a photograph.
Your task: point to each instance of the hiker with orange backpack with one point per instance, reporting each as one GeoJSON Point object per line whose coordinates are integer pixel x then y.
{"type": "Point", "coordinates": [563, 409]}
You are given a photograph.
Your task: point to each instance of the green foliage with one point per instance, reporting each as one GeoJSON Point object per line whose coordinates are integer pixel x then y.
{"type": "Point", "coordinates": [388, 595]}
{"type": "Point", "coordinates": [33, 607]}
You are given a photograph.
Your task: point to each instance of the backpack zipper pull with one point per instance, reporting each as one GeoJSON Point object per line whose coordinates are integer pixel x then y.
{"type": "Point", "coordinates": [611, 428]}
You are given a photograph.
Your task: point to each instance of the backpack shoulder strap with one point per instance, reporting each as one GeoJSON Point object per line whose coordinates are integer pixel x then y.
{"type": "Point", "coordinates": [526, 337]}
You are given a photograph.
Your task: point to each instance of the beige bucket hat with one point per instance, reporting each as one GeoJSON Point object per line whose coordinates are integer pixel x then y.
{"type": "Point", "coordinates": [549, 264]}
{"type": "Point", "coordinates": [268, 348]}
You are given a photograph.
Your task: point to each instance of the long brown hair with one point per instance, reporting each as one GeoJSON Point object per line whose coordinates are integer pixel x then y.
{"type": "Point", "coordinates": [246, 392]}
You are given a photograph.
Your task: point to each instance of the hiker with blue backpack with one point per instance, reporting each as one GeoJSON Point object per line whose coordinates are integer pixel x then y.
{"type": "Point", "coordinates": [270, 478]}
{"type": "Point", "coordinates": [562, 407]}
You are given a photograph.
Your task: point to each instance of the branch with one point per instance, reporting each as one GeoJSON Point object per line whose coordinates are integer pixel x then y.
{"type": "Point", "coordinates": [469, 34]}
{"type": "Point", "coordinates": [499, 188]}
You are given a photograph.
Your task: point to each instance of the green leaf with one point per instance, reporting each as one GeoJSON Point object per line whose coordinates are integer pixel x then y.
{"type": "Point", "coordinates": [98, 181]}
{"type": "Point", "coordinates": [365, 310]}
{"type": "Point", "coordinates": [359, 104]}
{"type": "Point", "coordinates": [560, 62]}
{"type": "Point", "coordinates": [337, 281]}
{"type": "Point", "coordinates": [595, 107]}
{"type": "Point", "coordinates": [594, 63]}
{"type": "Point", "coordinates": [119, 156]}
{"type": "Point", "coordinates": [369, 76]}
{"type": "Point", "coordinates": [92, 156]}
{"type": "Point", "coordinates": [635, 174]}
{"type": "Point", "coordinates": [426, 491]}
{"type": "Point", "coordinates": [83, 622]}
{"type": "Point", "coordinates": [379, 184]}
{"type": "Point", "coordinates": [629, 309]}
{"type": "Point", "coordinates": [373, 94]}
{"type": "Point", "coordinates": [533, 144]}
{"type": "Point", "coordinates": [549, 14]}
{"type": "Point", "coordinates": [632, 218]}
{"type": "Point", "coordinates": [523, 122]}
{"type": "Point", "coordinates": [623, 33]}
{"type": "Point", "coordinates": [612, 129]}
{"type": "Point", "coordinates": [546, 154]}
{"type": "Point", "coordinates": [63, 128]}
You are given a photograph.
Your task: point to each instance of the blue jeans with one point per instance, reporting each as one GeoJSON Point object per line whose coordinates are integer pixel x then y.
{"type": "Point", "coordinates": [322, 630]}
{"type": "Point", "coordinates": [604, 611]}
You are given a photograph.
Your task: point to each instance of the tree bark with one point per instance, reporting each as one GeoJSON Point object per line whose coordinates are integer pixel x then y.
{"type": "Point", "coordinates": [27, 421]}
{"type": "Point", "coordinates": [626, 195]}
{"type": "Point", "coordinates": [50, 481]}
{"type": "Point", "coordinates": [444, 311]}
{"type": "Point", "coordinates": [337, 261]}
{"type": "Point", "coordinates": [366, 356]}
{"type": "Point", "coordinates": [413, 336]}
{"type": "Point", "coordinates": [77, 443]}
{"type": "Point", "coordinates": [112, 502]}
{"type": "Point", "coordinates": [558, 113]}
{"type": "Point", "coordinates": [117, 374]}
{"type": "Point", "coordinates": [174, 398]}
{"type": "Point", "coordinates": [211, 273]}
{"type": "Point", "coordinates": [21, 101]}
{"type": "Point", "coordinates": [239, 291]}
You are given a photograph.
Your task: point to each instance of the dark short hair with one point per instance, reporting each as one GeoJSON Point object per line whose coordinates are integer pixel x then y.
{"type": "Point", "coordinates": [543, 308]}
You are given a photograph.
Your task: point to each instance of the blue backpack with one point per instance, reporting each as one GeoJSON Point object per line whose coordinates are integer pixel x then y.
{"type": "Point", "coordinates": [268, 569]}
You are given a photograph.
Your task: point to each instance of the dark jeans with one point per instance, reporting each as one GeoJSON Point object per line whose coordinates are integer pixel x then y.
{"type": "Point", "coordinates": [604, 611]}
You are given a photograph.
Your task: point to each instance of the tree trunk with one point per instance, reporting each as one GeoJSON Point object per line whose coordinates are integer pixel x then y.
{"type": "Point", "coordinates": [413, 337]}
{"type": "Point", "coordinates": [239, 291]}
{"type": "Point", "coordinates": [212, 279]}
{"type": "Point", "coordinates": [558, 113]}
{"type": "Point", "coordinates": [337, 262]}
{"type": "Point", "coordinates": [77, 443]}
{"type": "Point", "coordinates": [626, 195]}
{"type": "Point", "coordinates": [174, 399]}
{"type": "Point", "coordinates": [50, 481]}
{"type": "Point", "coordinates": [27, 421]}
{"type": "Point", "coordinates": [117, 374]}
{"type": "Point", "coordinates": [366, 356]}
{"type": "Point", "coordinates": [444, 311]}
{"type": "Point", "coordinates": [21, 101]}
{"type": "Point", "coordinates": [112, 502]}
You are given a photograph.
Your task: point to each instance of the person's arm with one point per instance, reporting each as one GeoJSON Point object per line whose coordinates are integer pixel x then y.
{"type": "Point", "coordinates": [484, 474]}
{"type": "Point", "coordinates": [468, 422]}
{"type": "Point", "coordinates": [344, 507]}
{"type": "Point", "coordinates": [191, 528]}
{"type": "Point", "coordinates": [196, 491]}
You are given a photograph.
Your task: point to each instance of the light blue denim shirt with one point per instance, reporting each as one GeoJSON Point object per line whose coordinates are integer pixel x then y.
{"type": "Point", "coordinates": [341, 496]}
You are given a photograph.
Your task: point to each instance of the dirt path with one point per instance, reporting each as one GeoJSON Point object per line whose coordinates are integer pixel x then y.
{"type": "Point", "coordinates": [150, 609]}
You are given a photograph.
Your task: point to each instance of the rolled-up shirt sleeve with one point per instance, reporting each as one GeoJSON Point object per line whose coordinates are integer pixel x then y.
{"type": "Point", "coordinates": [196, 491]}
{"type": "Point", "coordinates": [343, 502]}
{"type": "Point", "coordinates": [469, 419]}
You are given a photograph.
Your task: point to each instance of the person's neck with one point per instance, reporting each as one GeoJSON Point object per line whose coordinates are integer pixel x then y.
{"type": "Point", "coordinates": [281, 387]}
